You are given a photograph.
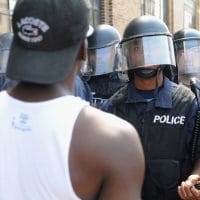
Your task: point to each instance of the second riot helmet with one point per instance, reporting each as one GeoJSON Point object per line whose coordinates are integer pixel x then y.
{"type": "Point", "coordinates": [187, 53]}
{"type": "Point", "coordinates": [103, 54]}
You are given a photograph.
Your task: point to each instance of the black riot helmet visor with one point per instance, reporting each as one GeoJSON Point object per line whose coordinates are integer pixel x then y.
{"type": "Point", "coordinates": [187, 53]}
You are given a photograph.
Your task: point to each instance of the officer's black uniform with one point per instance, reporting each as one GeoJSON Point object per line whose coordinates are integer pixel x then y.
{"type": "Point", "coordinates": [104, 86]}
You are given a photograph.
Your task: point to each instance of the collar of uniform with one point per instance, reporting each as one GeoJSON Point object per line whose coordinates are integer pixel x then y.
{"type": "Point", "coordinates": [164, 96]}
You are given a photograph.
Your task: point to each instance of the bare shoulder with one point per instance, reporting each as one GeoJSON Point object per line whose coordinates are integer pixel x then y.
{"type": "Point", "coordinates": [107, 123]}
{"type": "Point", "coordinates": [111, 149]}
{"type": "Point", "coordinates": [105, 126]}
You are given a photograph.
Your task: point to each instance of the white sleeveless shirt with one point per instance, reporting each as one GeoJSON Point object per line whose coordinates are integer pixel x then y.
{"type": "Point", "coordinates": [34, 146]}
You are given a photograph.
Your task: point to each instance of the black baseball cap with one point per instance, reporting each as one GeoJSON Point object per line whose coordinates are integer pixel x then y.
{"type": "Point", "coordinates": [47, 38]}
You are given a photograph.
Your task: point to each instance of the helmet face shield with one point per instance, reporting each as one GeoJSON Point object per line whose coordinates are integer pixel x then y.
{"type": "Point", "coordinates": [188, 59]}
{"type": "Point", "coordinates": [5, 42]}
{"type": "Point", "coordinates": [102, 61]}
{"type": "Point", "coordinates": [4, 53]}
{"type": "Point", "coordinates": [147, 51]}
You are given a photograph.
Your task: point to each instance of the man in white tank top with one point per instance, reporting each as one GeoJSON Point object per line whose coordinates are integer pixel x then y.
{"type": "Point", "coordinates": [54, 146]}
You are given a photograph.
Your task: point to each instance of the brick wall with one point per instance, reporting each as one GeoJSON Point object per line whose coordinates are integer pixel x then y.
{"type": "Point", "coordinates": [124, 11]}
{"type": "Point", "coordinates": [198, 15]}
{"type": "Point", "coordinates": [106, 11]}
{"type": "Point", "coordinates": [119, 12]}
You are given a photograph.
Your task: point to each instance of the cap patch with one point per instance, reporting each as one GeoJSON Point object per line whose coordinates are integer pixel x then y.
{"type": "Point", "coordinates": [31, 29]}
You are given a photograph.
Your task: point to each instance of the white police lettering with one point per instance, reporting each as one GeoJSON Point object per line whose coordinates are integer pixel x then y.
{"type": "Point", "coordinates": [167, 119]}
{"type": "Point", "coordinates": [30, 29]}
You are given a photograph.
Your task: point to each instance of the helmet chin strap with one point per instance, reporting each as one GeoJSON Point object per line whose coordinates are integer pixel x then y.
{"type": "Point", "coordinates": [157, 83]}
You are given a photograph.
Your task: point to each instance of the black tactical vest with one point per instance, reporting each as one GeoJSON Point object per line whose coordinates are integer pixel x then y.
{"type": "Point", "coordinates": [165, 142]}
{"type": "Point", "coordinates": [104, 86]}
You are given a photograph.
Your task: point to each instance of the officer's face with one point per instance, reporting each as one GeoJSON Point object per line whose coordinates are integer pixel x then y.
{"type": "Point", "coordinates": [102, 60]}
{"type": "Point", "coordinates": [136, 53]}
{"type": "Point", "coordinates": [92, 58]}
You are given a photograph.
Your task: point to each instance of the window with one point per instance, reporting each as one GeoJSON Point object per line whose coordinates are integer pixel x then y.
{"type": "Point", "coordinates": [156, 8]}
{"type": "Point", "coordinates": [95, 12]}
{"type": "Point", "coordinates": [189, 13]}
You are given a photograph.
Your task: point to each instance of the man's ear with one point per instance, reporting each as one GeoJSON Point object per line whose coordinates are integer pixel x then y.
{"type": "Point", "coordinates": [83, 50]}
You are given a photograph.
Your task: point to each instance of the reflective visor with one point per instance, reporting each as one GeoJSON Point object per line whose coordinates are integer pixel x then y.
{"type": "Point", "coordinates": [188, 59]}
{"type": "Point", "coordinates": [102, 61]}
{"type": "Point", "coordinates": [148, 51]}
{"type": "Point", "coordinates": [3, 59]}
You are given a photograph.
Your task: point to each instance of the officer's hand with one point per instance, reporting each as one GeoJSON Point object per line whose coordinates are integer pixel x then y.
{"type": "Point", "coordinates": [187, 189]}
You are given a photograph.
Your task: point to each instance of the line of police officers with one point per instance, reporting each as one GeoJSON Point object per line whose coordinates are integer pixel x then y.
{"type": "Point", "coordinates": [136, 78]}
{"type": "Point", "coordinates": [162, 111]}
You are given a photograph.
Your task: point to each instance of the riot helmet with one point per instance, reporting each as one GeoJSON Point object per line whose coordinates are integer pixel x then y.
{"type": "Point", "coordinates": [187, 53]}
{"type": "Point", "coordinates": [146, 46]}
{"type": "Point", "coordinates": [5, 42]}
{"type": "Point", "coordinates": [103, 51]}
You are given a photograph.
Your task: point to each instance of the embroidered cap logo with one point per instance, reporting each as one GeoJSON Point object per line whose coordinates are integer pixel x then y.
{"type": "Point", "coordinates": [31, 29]}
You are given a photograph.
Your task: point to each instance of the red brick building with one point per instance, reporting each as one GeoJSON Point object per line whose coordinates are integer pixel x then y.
{"type": "Point", "coordinates": [176, 13]}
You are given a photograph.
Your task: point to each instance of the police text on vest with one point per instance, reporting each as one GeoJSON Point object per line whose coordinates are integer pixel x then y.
{"type": "Point", "coordinates": [167, 119]}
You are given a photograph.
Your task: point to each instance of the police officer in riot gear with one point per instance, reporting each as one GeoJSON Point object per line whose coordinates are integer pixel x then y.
{"type": "Point", "coordinates": [162, 111]}
{"type": "Point", "coordinates": [103, 70]}
{"type": "Point", "coordinates": [5, 42]}
{"type": "Point", "coordinates": [187, 53]}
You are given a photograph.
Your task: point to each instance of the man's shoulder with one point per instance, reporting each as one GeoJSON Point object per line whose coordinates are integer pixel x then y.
{"type": "Point", "coordinates": [103, 122]}
{"type": "Point", "coordinates": [108, 150]}
{"type": "Point", "coordinates": [105, 131]}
